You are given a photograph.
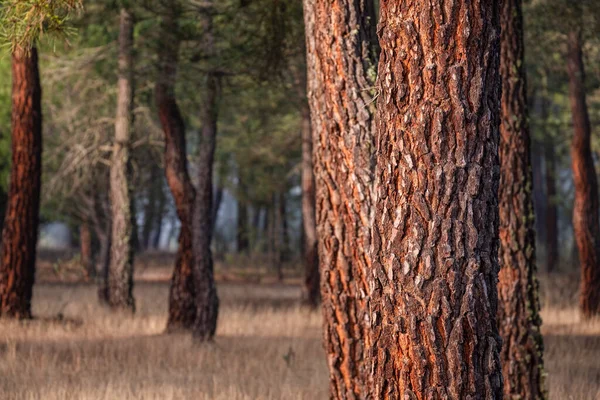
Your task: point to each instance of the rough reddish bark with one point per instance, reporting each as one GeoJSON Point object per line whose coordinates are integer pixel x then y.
{"type": "Point", "coordinates": [585, 210]}
{"type": "Point", "coordinates": [120, 271]}
{"type": "Point", "coordinates": [341, 60]}
{"type": "Point", "coordinates": [518, 308]}
{"type": "Point", "coordinates": [182, 301]}
{"type": "Point", "coordinates": [434, 247]}
{"type": "Point", "coordinates": [310, 293]}
{"type": "Point", "coordinates": [207, 301]}
{"type": "Point", "coordinates": [20, 230]}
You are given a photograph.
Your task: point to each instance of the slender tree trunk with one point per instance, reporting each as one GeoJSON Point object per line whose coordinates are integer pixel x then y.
{"type": "Point", "coordinates": [540, 200]}
{"type": "Point", "coordinates": [158, 220]}
{"type": "Point", "coordinates": [120, 272]}
{"type": "Point", "coordinates": [207, 301]}
{"type": "Point", "coordinates": [277, 236]}
{"type": "Point", "coordinates": [433, 301]}
{"type": "Point", "coordinates": [217, 205]}
{"type": "Point", "coordinates": [552, 245]}
{"type": "Point", "coordinates": [182, 296]}
{"type": "Point", "coordinates": [150, 210]}
{"type": "Point", "coordinates": [242, 223]}
{"type": "Point", "coordinates": [20, 230]}
{"type": "Point", "coordinates": [585, 210]}
{"type": "Point", "coordinates": [310, 293]}
{"type": "Point", "coordinates": [341, 57]}
{"type": "Point", "coordinates": [257, 210]}
{"type": "Point", "coordinates": [85, 249]}
{"type": "Point", "coordinates": [518, 308]}
{"type": "Point", "coordinates": [284, 251]}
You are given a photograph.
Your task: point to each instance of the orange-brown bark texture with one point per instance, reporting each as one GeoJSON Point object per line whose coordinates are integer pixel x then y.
{"type": "Point", "coordinates": [585, 209]}
{"type": "Point", "coordinates": [518, 304]}
{"type": "Point", "coordinates": [20, 230]}
{"type": "Point", "coordinates": [120, 271]}
{"type": "Point", "coordinates": [340, 41]}
{"type": "Point", "coordinates": [182, 301]}
{"type": "Point", "coordinates": [435, 233]}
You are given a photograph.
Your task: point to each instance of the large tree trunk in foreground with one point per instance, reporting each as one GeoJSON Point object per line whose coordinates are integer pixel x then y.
{"type": "Point", "coordinates": [120, 271]}
{"type": "Point", "coordinates": [310, 292]}
{"type": "Point", "coordinates": [518, 308]}
{"type": "Point", "coordinates": [20, 230]}
{"type": "Point", "coordinates": [207, 301]}
{"type": "Point", "coordinates": [182, 301]}
{"type": "Point", "coordinates": [585, 209]}
{"type": "Point", "coordinates": [341, 59]}
{"type": "Point", "coordinates": [435, 241]}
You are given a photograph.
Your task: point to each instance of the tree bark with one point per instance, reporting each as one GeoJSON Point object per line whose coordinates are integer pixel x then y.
{"type": "Point", "coordinates": [518, 309]}
{"type": "Point", "coordinates": [20, 230]}
{"type": "Point", "coordinates": [586, 224]}
{"type": "Point", "coordinates": [207, 301]}
{"type": "Point", "coordinates": [433, 299]}
{"type": "Point", "coordinates": [182, 296]}
{"type": "Point", "coordinates": [120, 272]}
{"type": "Point", "coordinates": [341, 57]}
{"type": "Point", "coordinates": [310, 293]}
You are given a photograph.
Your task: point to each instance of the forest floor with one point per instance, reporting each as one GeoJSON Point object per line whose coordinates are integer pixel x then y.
{"type": "Point", "coordinates": [267, 347]}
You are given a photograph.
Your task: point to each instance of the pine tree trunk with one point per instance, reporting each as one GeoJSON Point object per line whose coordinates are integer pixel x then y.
{"type": "Point", "coordinates": [207, 301]}
{"type": "Point", "coordinates": [158, 220]}
{"type": "Point", "coordinates": [518, 308]}
{"type": "Point", "coordinates": [120, 271]}
{"type": "Point", "coordinates": [150, 209]}
{"type": "Point", "coordinates": [585, 210]}
{"type": "Point", "coordinates": [217, 205]}
{"type": "Point", "coordinates": [20, 230]}
{"type": "Point", "coordinates": [310, 294]}
{"type": "Point", "coordinates": [182, 296]}
{"type": "Point", "coordinates": [341, 59]}
{"type": "Point", "coordinates": [433, 301]}
{"type": "Point", "coordinates": [540, 200]}
{"type": "Point", "coordinates": [552, 245]}
{"type": "Point", "coordinates": [284, 249]}
{"type": "Point", "coordinates": [85, 249]}
{"type": "Point", "coordinates": [242, 223]}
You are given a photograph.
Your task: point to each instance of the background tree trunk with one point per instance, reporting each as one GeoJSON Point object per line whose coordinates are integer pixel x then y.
{"type": "Point", "coordinates": [585, 210]}
{"type": "Point", "coordinates": [242, 222]}
{"type": "Point", "coordinates": [433, 301]}
{"type": "Point", "coordinates": [552, 245]}
{"type": "Point", "coordinates": [310, 293]}
{"type": "Point", "coordinates": [20, 230]}
{"type": "Point", "coordinates": [85, 249]}
{"type": "Point", "coordinates": [341, 49]}
{"type": "Point", "coordinates": [518, 309]}
{"type": "Point", "coordinates": [182, 296]}
{"type": "Point", "coordinates": [207, 301]}
{"type": "Point", "coordinates": [120, 272]}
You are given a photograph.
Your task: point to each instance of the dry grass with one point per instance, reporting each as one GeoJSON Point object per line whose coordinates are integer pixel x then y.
{"type": "Point", "coordinates": [267, 348]}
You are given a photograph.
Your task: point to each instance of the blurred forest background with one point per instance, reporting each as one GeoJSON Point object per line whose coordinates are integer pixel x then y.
{"type": "Point", "coordinates": [261, 57]}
